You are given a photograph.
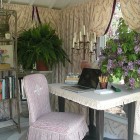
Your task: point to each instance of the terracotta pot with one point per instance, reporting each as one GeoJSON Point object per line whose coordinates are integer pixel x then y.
{"type": "Point", "coordinates": [85, 64]}
{"type": "Point", "coordinates": [103, 85]}
{"type": "Point", "coordinates": [41, 66]}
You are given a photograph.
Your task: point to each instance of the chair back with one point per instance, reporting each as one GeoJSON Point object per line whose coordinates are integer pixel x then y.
{"type": "Point", "coordinates": [37, 93]}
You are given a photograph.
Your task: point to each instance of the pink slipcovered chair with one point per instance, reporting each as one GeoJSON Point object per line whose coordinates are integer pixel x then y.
{"type": "Point", "coordinates": [47, 125]}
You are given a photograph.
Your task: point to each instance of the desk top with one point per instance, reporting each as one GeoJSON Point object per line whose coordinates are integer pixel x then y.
{"type": "Point", "coordinates": [97, 101]}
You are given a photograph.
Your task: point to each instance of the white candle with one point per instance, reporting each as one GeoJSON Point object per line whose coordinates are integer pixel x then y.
{"type": "Point", "coordinates": [78, 45]}
{"type": "Point", "coordinates": [1, 4]}
{"type": "Point", "coordinates": [73, 44]}
{"type": "Point", "coordinates": [84, 30]}
{"type": "Point", "coordinates": [94, 37]}
{"type": "Point", "coordinates": [91, 45]}
{"type": "Point", "coordinates": [75, 36]}
{"type": "Point", "coordinates": [80, 36]}
{"type": "Point", "coordinates": [87, 36]}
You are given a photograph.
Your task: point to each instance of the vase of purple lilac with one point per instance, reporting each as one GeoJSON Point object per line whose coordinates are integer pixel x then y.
{"type": "Point", "coordinates": [121, 56]}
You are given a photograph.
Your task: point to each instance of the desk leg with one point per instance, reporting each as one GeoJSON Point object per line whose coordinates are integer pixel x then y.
{"type": "Point", "coordinates": [131, 118]}
{"type": "Point", "coordinates": [92, 128]}
{"type": "Point", "coordinates": [61, 104]}
{"type": "Point", "coordinates": [99, 124]}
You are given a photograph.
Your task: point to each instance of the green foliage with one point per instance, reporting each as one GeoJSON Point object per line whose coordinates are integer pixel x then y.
{"type": "Point", "coordinates": [121, 56]}
{"type": "Point", "coordinates": [40, 43]}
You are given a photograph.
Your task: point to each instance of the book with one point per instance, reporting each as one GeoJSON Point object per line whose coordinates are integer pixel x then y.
{"type": "Point", "coordinates": [7, 92]}
{"type": "Point", "coordinates": [13, 86]}
{"type": "Point", "coordinates": [10, 86]}
{"type": "Point", "coordinates": [0, 89]}
{"type": "Point", "coordinates": [3, 88]}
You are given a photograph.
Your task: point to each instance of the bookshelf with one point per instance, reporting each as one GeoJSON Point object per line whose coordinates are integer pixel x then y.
{"type": "Point", "coordinates": [9, 95]}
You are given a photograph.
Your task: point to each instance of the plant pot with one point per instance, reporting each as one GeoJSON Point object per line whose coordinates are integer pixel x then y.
{"type": "Point", "coordinates": [41, 66]}
{"type": "Point", "coordinates": [103, 85]}
{"type": "Point", "coordinates": [85, 64]}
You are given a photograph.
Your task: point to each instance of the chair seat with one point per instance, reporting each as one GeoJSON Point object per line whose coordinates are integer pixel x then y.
{"type": "Point", "coordinates": [59, 126]}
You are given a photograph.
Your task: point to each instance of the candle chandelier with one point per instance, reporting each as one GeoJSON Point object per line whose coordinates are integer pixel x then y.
{"type": "Point", "coordinates": [85, 42]}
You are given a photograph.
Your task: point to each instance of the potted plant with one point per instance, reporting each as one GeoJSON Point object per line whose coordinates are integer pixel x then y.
{"type": "Point", "coordinates": [40, 44]}
{"type": "Point", "coordinates": [121, 56]}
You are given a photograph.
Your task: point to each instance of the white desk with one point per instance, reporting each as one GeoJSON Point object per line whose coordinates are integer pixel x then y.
{"type": "Point", "coordinates": [100, 103]}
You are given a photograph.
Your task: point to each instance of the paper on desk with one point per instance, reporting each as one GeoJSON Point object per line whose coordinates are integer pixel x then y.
{"type": "Point", "coordinates": [103, 91]}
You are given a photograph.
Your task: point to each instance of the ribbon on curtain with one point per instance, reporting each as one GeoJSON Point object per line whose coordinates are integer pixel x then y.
{"type": "Point", "coordinates": [35, 15]}
{"type": "Point", "coordinates": [113, 9]}
{"type": "Point", "coordinates": [131, 13]}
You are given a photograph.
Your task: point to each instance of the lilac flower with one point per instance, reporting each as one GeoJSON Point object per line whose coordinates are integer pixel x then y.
{"type": "Point", "coordinates": [137, 49]}
{"type": "Point", "coordinates": [110, 63]}
{"type": "Point", "coordinates": [138, 62]}
{"type": "Point", "coordinates": [119, 51]}
{"type": "Point", "coordinates": [132, 82]}
{"type": "Point", "coordinates": [120, 63]}
{"type": "Point", "coordinates": [126, 73]}
{"type": "Point", "coordinates": [139, 71]}
{"type": "Point", "coordinates": [130, 65]}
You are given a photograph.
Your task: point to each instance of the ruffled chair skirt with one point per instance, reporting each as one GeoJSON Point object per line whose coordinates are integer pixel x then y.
{"type": "Point", "coordinates": [59, 126]}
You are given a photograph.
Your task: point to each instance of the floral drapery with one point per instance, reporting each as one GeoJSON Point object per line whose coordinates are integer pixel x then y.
{"type": "Point", "coordinates": [24, 16]}
{"type": "Point", "coordinates": [66, 22]}
{"type": "Point", "coordinates": [131, 13]}
{"type": "Point", "coordinates": [94, 15]}
{"type": "Point", "coordinates": [90, 14]}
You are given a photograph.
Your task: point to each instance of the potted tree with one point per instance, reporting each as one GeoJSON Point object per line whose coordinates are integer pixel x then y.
{"type": "Point", "coordinates": [40, 45]}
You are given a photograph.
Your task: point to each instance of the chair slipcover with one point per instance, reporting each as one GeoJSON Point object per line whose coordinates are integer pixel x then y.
{"type": "Point", "coordinates": [47, 125]}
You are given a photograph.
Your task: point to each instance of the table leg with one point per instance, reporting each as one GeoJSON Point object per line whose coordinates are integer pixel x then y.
{"type": "Point", "coordinates": [131, 118]}
{"type": "Point", "coordinates": [61, 104]}
{"type": "Point", "coordinates": [99, 124]}
{"type": "Point", "coordinates": [92, 128]}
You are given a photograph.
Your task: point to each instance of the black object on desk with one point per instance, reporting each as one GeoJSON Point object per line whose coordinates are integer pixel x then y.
{"type": "Point", "coordinates": [115, 89]}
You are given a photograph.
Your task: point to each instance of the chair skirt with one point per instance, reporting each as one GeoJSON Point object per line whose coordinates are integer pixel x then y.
{"type": "Point", "coordinates": [58, 126]}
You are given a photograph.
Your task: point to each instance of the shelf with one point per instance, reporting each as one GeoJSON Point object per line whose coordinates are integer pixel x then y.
{"type": "Point", "coordinates": [7, 99]}
{"type": "Point", "coordinates": [8, 69]}
{"type": "Point", "coordinates": [22, 74]}
{"type": "Point", "coordinates": [6, 40]}
{"type": "Point", "coordinates": [7, 123]}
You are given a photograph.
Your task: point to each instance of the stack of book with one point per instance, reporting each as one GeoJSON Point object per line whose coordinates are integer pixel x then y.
{"type": "Point", "coordinates": [7, 87]}
{"type": "Point", "coordinates": [72, 79]}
